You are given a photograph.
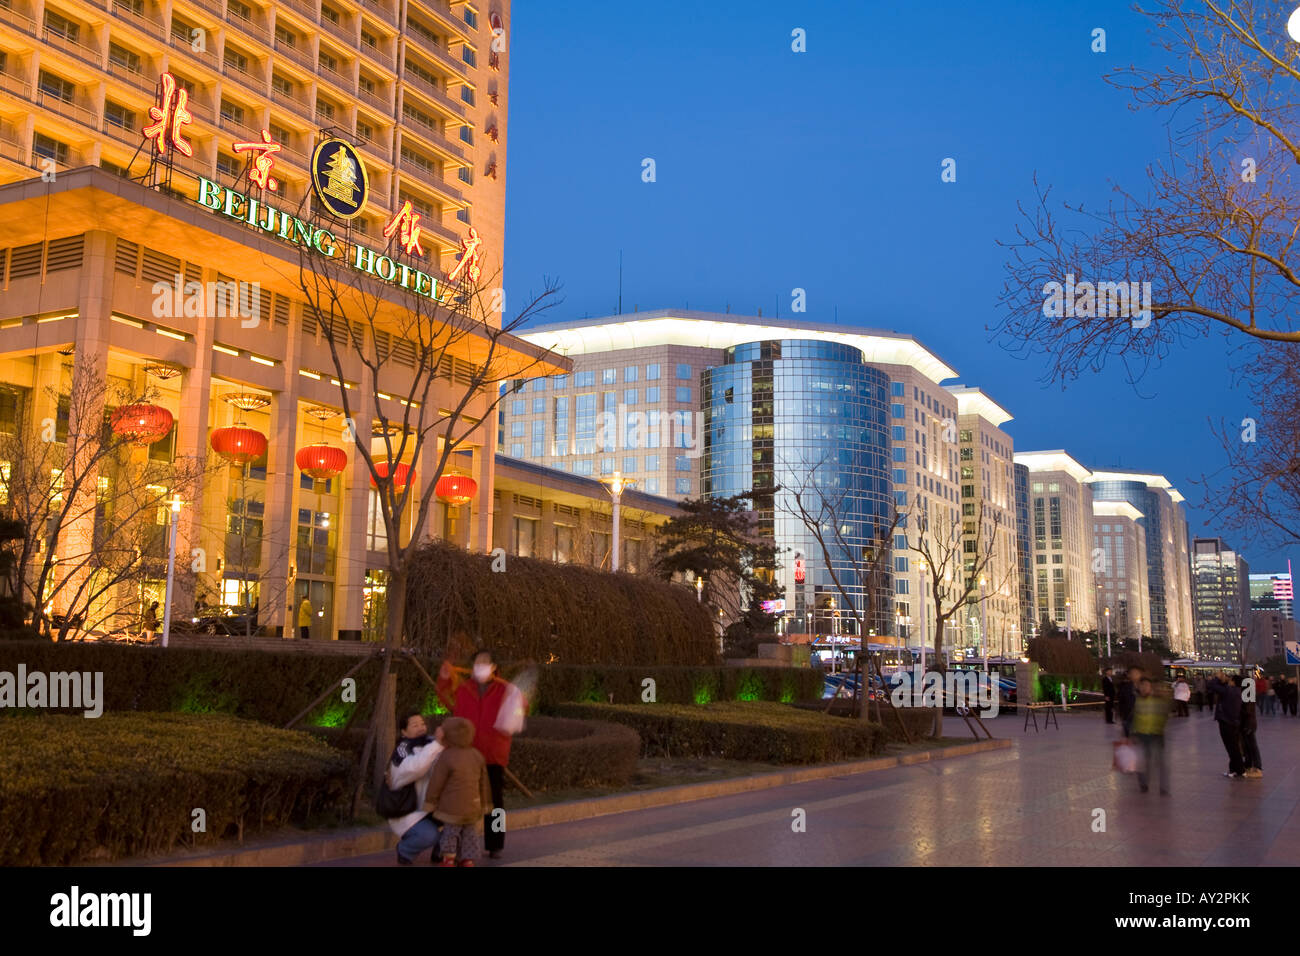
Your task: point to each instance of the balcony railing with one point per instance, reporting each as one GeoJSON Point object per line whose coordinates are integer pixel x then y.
{"type": "Point", "coordinates": [213, 6]}
{"type": "Point", "coordinates": [295, 103]}
{"type": "Point", "coordinates": [346, 33]}
{"type": "Point", "coordinates": [440, 11]}
{"type": "Point", "coordinates": [338, 79]}
{"type": "Point", "coordinates": [294, 53]}
{"type": "Point", "coordinates": [425, 88]}
{"type": "Point", "coordinates": [458, 66]}
{"type": "Point", "coordinates": [437, 139]}
{"type": "Point", "coordinates": [73, 111]}
{"type": "Point", "coordinates": [149, 25]}
{"type": "Point", "coordinates": [309, 10]}
{"type": "Point", "coordinates": [383, 103]}
{"type": "Point", "coordinates": [12, 146]}
{"type": "Point", "coordinates": [131, 137]}
{"type": "Point", "coordinates": [248, 26]}
{"type": "Point", "coordinates": [130, 77]}
{"type": "Point", "coordinates": [78, 49]}
{"type": "Point", "coordinates": [239, 132]}
{"type": "Point", "coordinates": [380, 10]}
{"type": "Point", "coordinates": [19, 19]}
{"type": "Point", "coordinates": [238, 73]}
{"type": "Point", "coordinates": [378, 55]}
{"type": "Point", "coordinates": [15, 84]}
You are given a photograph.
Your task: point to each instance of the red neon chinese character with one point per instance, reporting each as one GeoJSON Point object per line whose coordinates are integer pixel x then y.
{"type": "Point", "coordinates": [264, 163]}
{"type": "Point", "coordinates": [169, 116]}
{"type": "Point", "coordinates": [470, 252]}
{"type": "Point", "coordinates": [408, 219]}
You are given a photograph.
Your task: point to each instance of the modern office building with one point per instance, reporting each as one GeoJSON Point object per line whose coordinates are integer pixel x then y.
{"type": "Point", "coordinates": [1221, 598]}
{"type": "Point", "coordinates": [1061, 516]}
{"type": "Point", "coordinates": [653, 439]}
{"type": "Point", "coordinates": [1273, 592]}
{"type": "Point", "coordinates": [1168, 559]}
{"type": "Point", "coordinates": [1267, 634]}
{"type": "Point", "coordinates": [1120, 566]}
{"type": "Point", "coordinates": [112, 220]}
{"type": "Point", "coordinates": [989, 530]}
{"type": "Point", "coordinates": [1025, 554]}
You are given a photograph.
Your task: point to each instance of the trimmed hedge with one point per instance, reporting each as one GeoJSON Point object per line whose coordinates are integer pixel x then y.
{"type": "Point", "coordinates": [552, 753]}
{"type": "Point", "coordinates": [1049, 685]}
{"type": "Point", "coordinates": [562, 613]}
{"type": "Point", "coordinates": [274, 687]}
{"type": "Point", "coordinates": [1058, 655]}
{"type": "Point", "coordinates": [757, 731]}
{"type": "Point", "coordinates": [75, 790]}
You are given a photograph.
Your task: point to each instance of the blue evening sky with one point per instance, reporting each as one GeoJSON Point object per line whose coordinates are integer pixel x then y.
{"type": "Point", "coordinates": [821, 170]}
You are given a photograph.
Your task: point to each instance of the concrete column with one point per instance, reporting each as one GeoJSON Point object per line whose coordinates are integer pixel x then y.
{"type": "Point", "coordinates": [279, 522]}
{"type": "Point", "coordinates": [478, 513]}
{"type": "Point", "coordinates": [505, 534]}
{"type": "Point", "coordinates": [192, 532]}
{"type": "Point", "coordinates": [350, 566]}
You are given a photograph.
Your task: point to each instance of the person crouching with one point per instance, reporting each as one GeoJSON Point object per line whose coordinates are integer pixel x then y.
{"type": "Point", "coordinates": [458, 794]}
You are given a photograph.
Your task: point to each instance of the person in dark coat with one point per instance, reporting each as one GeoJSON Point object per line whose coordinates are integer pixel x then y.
{"type": "Point", "coordinates": [1227, 711]}
{"type": "Point", "coordinates": [1249, 745]}
{"type": "Point", "coordinates": [1126, 695]}
{"type": "Point", "coordinates": [1108, 691]}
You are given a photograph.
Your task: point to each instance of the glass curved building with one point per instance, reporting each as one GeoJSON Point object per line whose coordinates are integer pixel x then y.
{"type": "Point", "coordinates": [792, 416]}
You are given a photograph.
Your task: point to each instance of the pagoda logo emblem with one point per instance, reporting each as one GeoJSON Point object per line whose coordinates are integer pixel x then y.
{"type": "Point", "coordinates": [339, 178]}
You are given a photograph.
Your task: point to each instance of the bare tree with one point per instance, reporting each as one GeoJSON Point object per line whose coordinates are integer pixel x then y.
{"type": "Point", "coordinates": [94, 507]}
{"type": "Point", "coordinates": [431, 363]}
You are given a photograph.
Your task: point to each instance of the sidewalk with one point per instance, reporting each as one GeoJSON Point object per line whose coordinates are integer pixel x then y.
{"type": "Point", "coordinates": [337, 845]}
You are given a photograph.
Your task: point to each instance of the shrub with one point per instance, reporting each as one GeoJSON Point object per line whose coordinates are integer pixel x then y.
{"type": "Point", "coordinates": [123, 785]}
{"type": "Point", "coordinates": [275, 686]}
{"type": "Point", "coordinates": [1058, 655]}
{"type": "Point", "coordinates": [563, 613]}
{"type": "Point", "coordinates": [739, 731]}
{"type": "Point", "coordinates": [1049, 686]}
{"type": "Point", "coordinates": [1151, 664]}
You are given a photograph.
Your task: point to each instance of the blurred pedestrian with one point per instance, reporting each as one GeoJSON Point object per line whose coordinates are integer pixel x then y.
{"type": "Point", "coordinates": [1292, 695]}
{"type": "Point", "coordinates": [1249, 744]}
{"type": "Point", "coordinates": [149, 626]}
{"type": "Point", "coordinates": [304, 619]}
{"type": "Point", "coordinates": [1126, 695]}
{"type": "Point", "coordinates": [1267, 696]}
{"type": "Point", "coordinates": [1150, 714]}
{"type": "Point", "coordinates": [1200, 693]}
{"type": "Point", "coordinates": [1227, 711]}
{"type": "Point", "coordinates": [1182, 694]}
{"type": "Point", "coordinates": [1108, 691]}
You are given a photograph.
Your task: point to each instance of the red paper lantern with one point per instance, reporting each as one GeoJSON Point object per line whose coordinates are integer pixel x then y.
{"type": "Point", "coordinates": [456, 489]}
{"type": "Point", "coordinates": [141, 423]}
{"type": "Point", "coordinates": [238, 444]}
{"type": "Point", "coordinates": [401, 474]}
{"type": "Point", "coordinates": [321, 461]}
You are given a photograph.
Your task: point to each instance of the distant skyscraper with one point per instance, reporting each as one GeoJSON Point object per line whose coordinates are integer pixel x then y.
{"type": "Point", "coordinates": [1272, 592]}
{"type": "Point", "coordinates": [1025, 553]}
{"type": "Point", "coordinates": [1221, 598]}
{"type": "Point", "coordinates": [1122, 569]}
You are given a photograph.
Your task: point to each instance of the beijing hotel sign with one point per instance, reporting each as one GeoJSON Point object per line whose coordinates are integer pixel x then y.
{"type": "Point", "coordinates": [341, 186]}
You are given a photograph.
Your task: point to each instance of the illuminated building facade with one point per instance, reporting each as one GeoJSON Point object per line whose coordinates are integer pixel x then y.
{"type": "Point", "coordinates": [1060, 506]}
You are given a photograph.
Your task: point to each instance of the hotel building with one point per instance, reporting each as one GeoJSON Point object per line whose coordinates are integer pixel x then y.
{"type": "Point", "coordinates": [105, 212]}
{"type": "Point", "coordinates": [1120, 541]}
{"type": "Point", "coordinates": [1168, 560]}
{"type": "Point", "coordinates": [988, 514]}
{"type": "Point", "coordinates": [1221, 599]}
{"type": "Point", "coordinates": [1060, 505]}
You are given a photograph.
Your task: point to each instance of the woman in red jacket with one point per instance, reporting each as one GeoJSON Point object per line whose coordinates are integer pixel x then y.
{"type": "Point", "coordinates": [479, 700]}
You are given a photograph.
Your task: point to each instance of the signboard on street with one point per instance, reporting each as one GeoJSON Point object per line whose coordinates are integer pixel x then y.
{"type": "Point", "coordinates": [1293, 653]}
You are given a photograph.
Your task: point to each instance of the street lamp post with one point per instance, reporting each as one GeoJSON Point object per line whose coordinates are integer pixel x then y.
{"type": "Point", "coordinates": [984, 643]}
{"type": "Point", "coordinates": [1139, 635]}
{"type": "Point", "coordinates": [1069, 633]}
{"type": "Point", "coordinates": [171, 571]}
{"type": "Point", "coordinates": [699, 590]}
{"type": "Point", "coordinates": [921, 565]}
{"type": "Point", "coordinates": [616, 484]}
{"type": "Point", "coordinates": [1108, 632]}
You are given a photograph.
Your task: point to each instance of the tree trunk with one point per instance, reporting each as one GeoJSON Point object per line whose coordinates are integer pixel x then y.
{"type": "Point", "coordinates": [386, 703]}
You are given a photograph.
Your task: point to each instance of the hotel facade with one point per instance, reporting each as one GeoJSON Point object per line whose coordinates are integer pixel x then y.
{"type": "Point", "coordinates": [118, 229]}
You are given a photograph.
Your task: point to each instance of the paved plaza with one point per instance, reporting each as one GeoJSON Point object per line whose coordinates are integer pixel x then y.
{"type": "Point", "coordinates": [1034, 804]}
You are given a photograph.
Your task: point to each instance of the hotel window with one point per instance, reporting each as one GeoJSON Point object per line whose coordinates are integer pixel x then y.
{"type": "Point", "coordinates": [900, 565]}
{"type": "Point", "coordinates": [421, 117]}
{"type": "Point", "coordinates": [232, 112]}
{"type": "Point", "coordinates": [330, 63]}
{"type": "Point", "coordinates": [183, 30]}
{"type": "Point", "coordinates": [467, 135]}
{"type": "Point", "coordinates": [968, 491]}
{"type": "Point", "coordinates": [239, 9]}
{"type": "Point", "coordinates": [582, 380]}
{"type": "Point", "coordinates": [418, 159]}
{"type": "Point", "coordinates": [629, 466]}
{"type": "Point", "coordinates": [900, 455]}
{"type": "Point", "coordinates": [517, 429]}
{"type": "Point", "coordinates": [285, 36]}
{"type": "Point", "coordinates": [325, 109]}
{"type": "Point", "coordinates": [539, 406]}
{"type": "Point", "coordinates": [365, 130]}
{"type": "Point", "coordinates": [281, 135]}
{"type": "Point", "coordinates": [652, 486]}
{"type": "Point", "coordinates": [683, 393]}
{"type": "Point", "coordinates": [652, 373]}
{"type": "Point", "coordinates": [471, 16]}
{"type": "Point", "coordinates": [235, 60]}
{"type": "Point", "coordinates": [586, 424]}
{"type": "Point", "coordinates": [118, 115]}
{"type": "Point", "coordinates": [539, 440]}
{"type": "Point", "coordinates": [50, 148]}
{"type": "Point", "coordinates": [900, 476]}
{"type": "Point", "coordinates": [463, 215]}
{"type": "Point", "coordinates": [517, 449]}
{"type": "Point", "coordinates": [652, 394]}
{"type": "Point", "coordinates": [582, 467]}
{"type": "Point", "coordinates": [651, 462]}
{"type": "Point", "coordinates": [61, 26]}
{"type": "Point", "coordinates": [126, 59]}
{"type": "Point", "coordinates": [682, 486]}
{"type": "Point", "coordinates": [652, 425]}
{"type": "Point", "coordinates": [899, 432]}
{"type": "Point", "coordinates": [467, 95]}
{"type": "Point", "coordinates": [525, 536]}
{"type": "Point", "coordinates": [563, 552]}
{"type": "Point", "coordinates": [896, 389]}
{"type": "Point", "coordinates": [608, 376]}
{"type": "Point", "coordinates": [330, 14]}
{"type": "Point", "coordinates": [629, 373]}
{"type": "Point", "coordinates": [684, 372]}
{"type": "Point", "coordinates": [369, 40]}
{"type": "Point", "coordinates": [281, 84]}
{"type": "Point", "coordinates": [518, 407]}
{"type": "Point", "coordinates": [55, 86]}
{"type": "Point", "coordinates": [607, 466]}
{"type": "Point", "coordinates": [561, 427]}
{"type": "Point", "coordinates": [629, 396]}
{"type": "Point", "coordinates": [229, 165]}
{"type": "Point", "coordinates": [896, 411]}
{"type": "Point", "coordinates": [465, 175]}
{"type": "Point", "coordinates": [561, 381]}
{"type": "Point", "coordinates": [682, 463]}
{"type": "Point", "coordinates": [468, 55]}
